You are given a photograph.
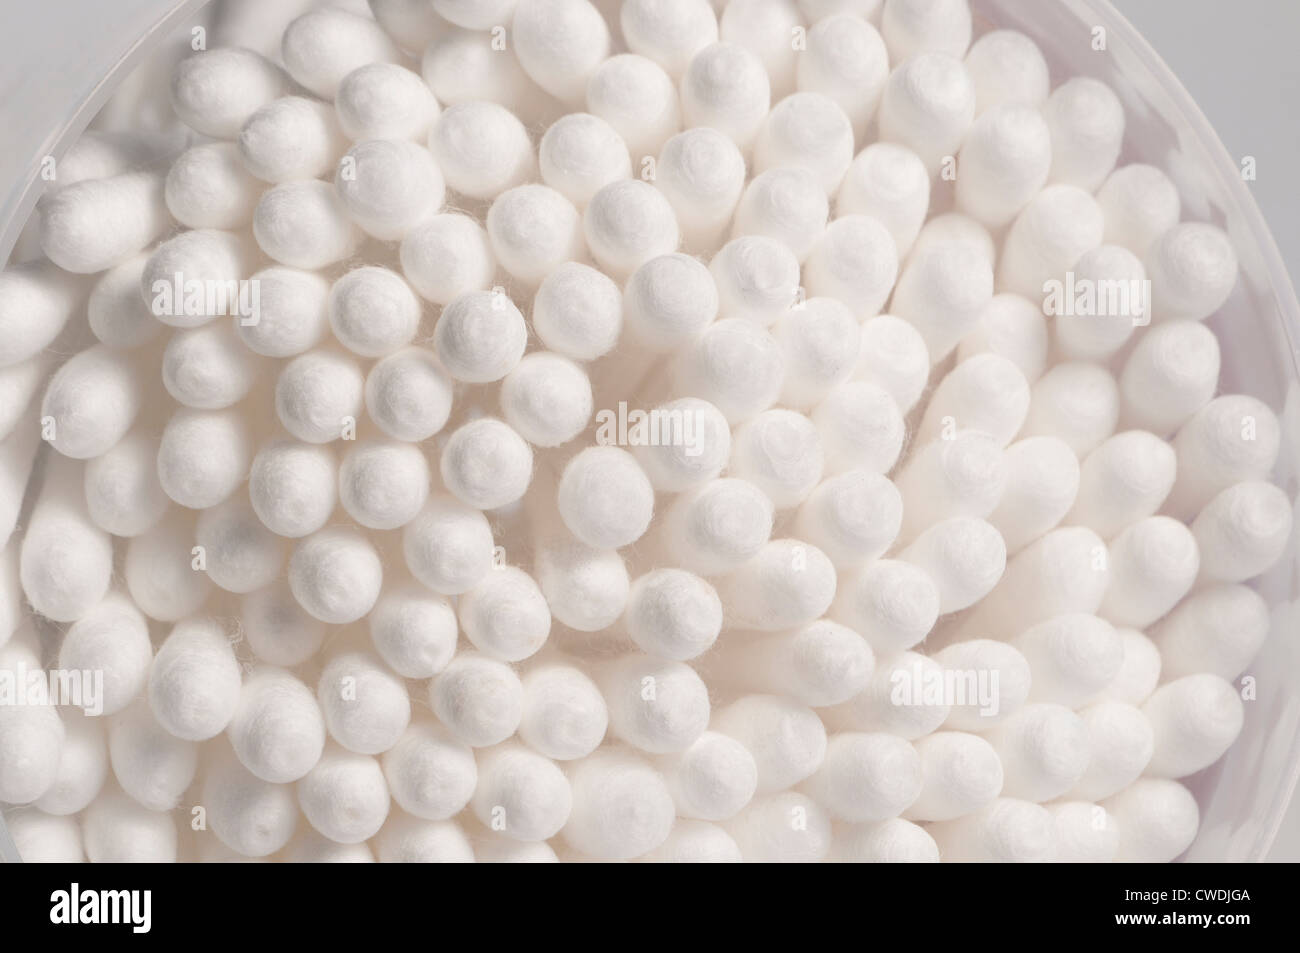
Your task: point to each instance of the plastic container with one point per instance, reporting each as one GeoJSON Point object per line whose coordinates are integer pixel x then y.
{"type": "Point", "coordinates": [65, 61]}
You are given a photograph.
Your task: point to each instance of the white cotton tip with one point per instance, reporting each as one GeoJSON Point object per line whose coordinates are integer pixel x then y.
{"type": "Point", "coordinates": [482, 149]}
{"type": "Point", "coordinates": [712, 779]}
{"type": "Point", "coordinates": [292, 487]}
{"type": "Point", "coordinates": [383, 484]}
{"type": "Point", "coordinates": [560, 44]}
{"type": "Point", "coordinates": [291, 138]}
{"type": "Point", "coordinates": [203, 456]}
{"type": "Point", "coordinates": [323, 46]}
{"type": "Point", "coordinates": [855, 261]}
{"type": "Point", "coordinates": [83, 767]}
{"type": "Point", "coordinates": [93, 225]}
{"type": "Point", "coordinates": [479, 699]}
{"type": "Point", "coordinates": [1140, 203]}
{"type": "Point", "coordinates": [160, 573]}
{"type": "Point", "coordinates": [605, 498]}
{"type": "Point", "coordinates": [1006, 830]}
{"type": "Point", "coordinates": [207, 259]}
{"type": "Point", "coordinates": [318, 396]}
{"type": "Point", "coordinates": [578, 311]}
{"type": "Point", "coordinates": [293, 313]}
{"type": "Point", "coordinates": [486, 464]}
{"type": "Point", "coordinates": [304, 225]}
{"type": "Point", "coordinates": [687, 444]}
{"type": "Point", "coordinates": [845, 61]}
{"type": "Point", "coordinates": [765, 27]}
{"type": "Point", "coordinates": [757, 278]}
{"type": "Point", "coordinates": [821, 664]}
{"type": "Point", "coordinates": [1157, 820]}
{"type": "Point", "coordinates": [373, 312]}
{"type": "Point", "coordinates": [719, 526]}
{"type": "Point", "coordinates": [1063, 571]}
{"type": "Point", "coordinates": [1007, 67]}
{"type": "Point", "coordinates": [1044, 751]}
{"type": "Point", "coordinates": [345, 796]}
{"type": "Point", "coordinates": [1003, 163]}
{"type": "Point", "coordinates": [1043, 483]}
{"type": "Point", "coordinates": [1193, 269]}
{"type": "Point", "coordinates": [194, 681]}
{"type": "Point", "coordinates": [1216, 630]}
{"type": "Point", "coordinates": [408, 394]}
{"type": "Point", "coordinates": [673, 614]}
{"type": "Point", "coordinates": [1087, 123]}
{"type": "Point", "coordinates": [208, 187]}
{"type": "Point", "coordinates": [621, 807]}
{"type": "Point", "coordinates": [475, 14]}
{"type": "Point", "coordinates": [727, 88]}
{"type": "Point", "coordinates": [461, 66]}
{"type": "Point", "coordinates": [408, 840]}
{"type": "Point", "coordinates": [118, 830]}
{"type": "Point", "coordinates": [1011, 327]}
{"type": "Point", "coordinates": [787, 740]}
{"type": "Point", "coordinates": [65, 561]}
{"type": "Point", "coordinates": [956, 227]}
{"type": "Point", "coordinates": [1232, 438]}
{"type": "Point", "coordinates": [123, 495]}
{"type": "Point", "coordinates": [1171, 374]}
{"type": "Point", "coordinates": [310, 847]}
{"type": "Point", "coordinates": [928, 106]}
{"type": "Point", "coordinates": [808, 131]}
{"type": "Point", "coordinates": [859, 426]}
{"type": "Point", "coordinates": [151, 764]}
{"type": "Point", "coordinates": [734, 365]}
{"type": "Point", "coordinates": [894, 841]}
{"type": "Point", "coordinates": [1099, 320]}
{"type": "Point", "coordinates": [961, 773]}
{"type": "Point", "coordinates": [335, 575]}
{"type": "Point", "coordinates": [1122, 481]}
{"type": "Point", "coordinates": [696, 842]}
{"type": "Point", "coordinates": [670, 33]}
{"type": "Point", "coordinates": [784, 204]}
{"type": "Point", "coordinates": [208, 368]}
{"type": "Point", "coordinates": [890, 603]}
{"type": "Point", "coordinates": [1242, 531]}
{"type": "Point", "coordinates": [1075, 401]}
{"type": "Point", "coordinates": [991, 680]}
{"type": "Point", "coordinates": [1153, 564]}
{"type": "Point", "coordinates": [412, 24]}
{"type": "Point", "coordinates": [628, 223]}
{"type": "Point", "coordinates": [278, 630]}
{"type": "Point", "coordinates": [1073, 657]}
{"type": "Point", "coordinates": [448, 547]}
{"type": "Point", "coordinates": [1047, 238]}
{"type": "Point", "coordinates": [986, 392]}
{"type": "Point", "coordinates": [521, 794]}
{"type": "Point", "coordinates": [866, 777]}
{"type": "Point", "coordinates": [655, 706]}
{"type": "Point", "coordinates": [31, 736]}
{"type": "Point", "coordinates": [215, 92]}
{"type": "Point", "coordinates": [413, 630]}
{"type": "Point", "coordinates": [901, 698]}
{"type": "Point", "coordinates": [943, 291]}
{"type": "Point", "coordinates": [533, 229]}
{"type": "Point", "coordinates": [912, 26]}
{"type": "Point", "coordinates": [580, 154]}
{"type": "Point", "coordinates": [965, 557]}
{"type": "Point", "coordinates": [388, 186]}
{"type": "Point", "coordinates": [782, 828]}
{"type": "Point", "coordinates": [429, 773]}
{"type": "Point", "coordinates": [820, 343]}
{"type": "Point", "coordinates": [1121, 742]}
{"type": "Point", "coordinates": [853, 517]}
{"type": "Point", "coordinates": [780, 451]}
{"type": "Point", "coordinates": [249, 815]}
{"type": "Point", "coordinates": [1140, 671]}
{"type": "Point", "coordinates": [505, 616]}
{"type": "Point", "coordinates": [961, 476]}
{"type": "Point", "coordinates": [385, 101]}
{"type": "Point", "coordinates": [564, 714]}
{"type": "Point", "coordinates": [240, 553]}
{"type": "Point", "coordinates": [115, 311]}
{"type": "Point", "coordinates": [277, 731]}
{"type": "Point", "coordinates": [45, 838]}
{"type": "Point", "coordinates": [788, 583]}
{"type": "Point", "coordinates": [17, 462]}
{"type": "Point", "coordinates": [887, 182]}
{"type": "Point", "coordinates": [702, 173]}
{"type": "Point", "coordinates": [893, 355]}
{"type": "Point", "coordinates": [1194, 720]}
{"type": "Point", "coordinates": [638, 100]}
{"type": "Point", "coordinates": [446, 256]}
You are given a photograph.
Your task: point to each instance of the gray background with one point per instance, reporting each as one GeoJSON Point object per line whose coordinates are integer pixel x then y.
{"type": "Point", "coordinates": [1238, 59]}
